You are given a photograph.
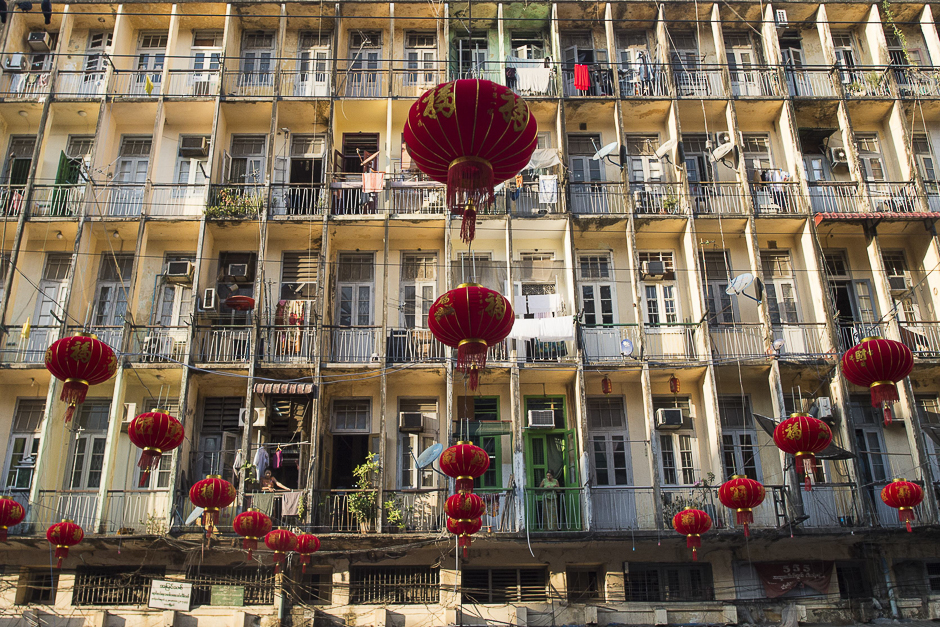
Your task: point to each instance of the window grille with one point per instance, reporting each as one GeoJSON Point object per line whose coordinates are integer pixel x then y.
{"type": "Point", "coordinates": [398, 585]}
{"type": "Point", "coordinates": [605, 413]}
{"type": "Point", "coordinates": [583, 585]}
{"type": "Point", "coordinates": [135, 147]}
{"type": "Point", "coordinates": [652, 583]}
{"type": "Point", "coordinates": [39, 587]}
{"type": "Point", "coordinates": [665, 257]}
{"type": "Point", "coordinates": [355, 267]}
{"type": "Point", "coordinates": [354, 414]}
{"type": "Point", "coordinates": [258, 582]}
{"type": "Point", "coordinates": [504, 585]}
{"type": "Point", "coordinates": [28, 414]}
{"type": "Point", "coordinates": [220, 413]}
{"type": "Point", "coordinates": [113, 586]}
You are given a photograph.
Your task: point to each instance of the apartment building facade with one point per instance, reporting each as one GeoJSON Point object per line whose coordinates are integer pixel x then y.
{"type": "Point", "coordinates": [164, 158]}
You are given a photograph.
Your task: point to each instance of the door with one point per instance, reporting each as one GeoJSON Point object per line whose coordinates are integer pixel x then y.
{"type": "Point", "coordinates": [791, 52]}
{"type": "Point", "coordinates": [114, 283]}
{"type": "Point", "coordinates": [95, 64]}
{"type": "Point", "coordinates": [354, 337]}
{"type": "Point", "coordinates": [744, 80]}
{"type": "Point", "coordinates": [418, 289]}
{"type": "Point", "coordinates": [552, 509]}
{"type": "Point", "coordinates": [365, 74]}
{"type": "Point", "coordinates": [585, 194]}
{"type": "Point", "coordinates": [313, 69]}
{"type": "Point", "coordinates": [151, 56]}
{"type": "Point", "coordinates": [126, 195]}
{"type": "Point", "coordinates": [206, 63]}
{"type": "Point", "coordinates": [845, 57]}
{"type": "Point", "coordinates": [257, 76]}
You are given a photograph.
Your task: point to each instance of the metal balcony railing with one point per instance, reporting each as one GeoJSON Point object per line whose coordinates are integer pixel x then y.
{"type": "Point", "coordinates": [655, 198]}
{"type": "Point", "coordinates": [24, 85]}
{"type": "Point", "coordinates": [348, 197]}
{"type": "Point", "coordinates": [893, 197]}
{"type": "Point", "coordinates": [719, 198]}
{"type": "Point", "coordinates": [112, 335]}
{"type": "Point", "coordinates": [53, 506]}
{"type": "Point", "coordinates": [193, 83]}
{"type": "Point", "coordinates": [312, 81]}
{"type": "Point", "coordinates": [413, 345]}
{"type": "Point", "coordinates": [600, 80]}
{"type": "Point", "coordinates": [865, 82]}
{"type": "Point", "coordinates": [922, 337]}
{"type": "Point", "coordinates": [236, 200]}
{"type": "Point", "coordinates": [604, 344]}
{"type": "Point", "coordinates": [833, 196]}
{"type": "Point", "coordinates": [248, 84]}
{"type": "Point", "coordinates": [288, 344]}
{"type": "Point", "coordinates": [918, 82]}
{"type": "Point", "coordinates": [737, 341]}
{"type": "Point", "coordinates": [351, 344]}
{"type": "Point", "coordinates": [623, 507]}
{"type": "Point", "coordinates": [118, 200]}
{"type": "Point", "coordinates": [802, 339]}
{"type": "Point", "coordinates": [933, 196]}
{"type": "Point", "coordinates": [422, 510]}
{"type": "Point", "coordinates": [500, 513]}
{"type": "Point", "coordinates": [223, 344]}
{"type": "Point", "coordinates": [159, 344]}
{"type": "Point", "coordinates": [536, 350]}
{"type": "Point", "coordinates": [600, 197]}
{"type": "Point", "coordinates": [71, 84]}
{"type": "Point", "coordinates": [670, 341]}
{"type": "Point", "coordinates": [137, 512]}
{"type": "Point", "coordinates": [17, 349]}
{"type": "Point", "coordinates": [134, 84]}
{"type": "Point", "coordinates": [417, 197]}
{"type": "Point", "coordinates": [365, 79]}
{"type": "Point", "coordinates": [532, 78]}
{"type": "Point", "coordinates": [784, 198]}
{"type": "Point", "coordinates": [499, 352]}
{"type": "Point", "coordinates": [177, 200]}
{"type": "Point", "coordinates": [299, 199]}
{"type": "Point", "coordinates": [487, 70]}
{"type": "Point", "coordinates": [528, 200]}
{"type": "Point", "coordinates": [830, 505]}
{"type": "Point", "coordinates": [330, 511]}
{"type": "Point", "coordinates": [12, 199]}
{"type": "Point", "coordinates": [851, 333]}
{"type": "Point", "coordinates": [643, 80]}
{"type": "Point", "coordinates": [57, 200]}
{"type": "Point", "coordinates": [702, 82]}
{"type": "Point", "coordinates": [755, 82]}
{"type": "Point", "coordinates": [410, 79]}
{"type": "Point", "coordinates": [553, 509]}
{"type": "Point", "coordinates": [809, 82]}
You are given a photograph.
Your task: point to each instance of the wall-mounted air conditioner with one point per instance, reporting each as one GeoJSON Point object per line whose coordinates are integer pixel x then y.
{"type": "Point", "coordinates": [668, 418]}
{"type": "Point", "coordinates": [541, 419]}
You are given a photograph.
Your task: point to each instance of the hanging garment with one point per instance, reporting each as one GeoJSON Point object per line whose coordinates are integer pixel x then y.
{"type": "Point", "coordinates": [534, 80]}
{"type": "Point", "coordinates": [238, 461]}
{"type": "Point", "coordinates": [289, 503]}
{"type": "Point", "coordinates": [263, 502]}
{"type": "Point", "coordinates": [278, 457]}
{"type": "Point", "coordinates": [262, 461]}
{"type": "Point", "coordinates": [582, 78]}
{"type": "Point", "coordinates": [373, 182]}
{"type": "Point", "coordinates": [548, 189]}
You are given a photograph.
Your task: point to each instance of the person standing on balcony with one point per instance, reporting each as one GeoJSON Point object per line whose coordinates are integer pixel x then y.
{"type": "Point", "coordinates": [270, 484]}
{"type": "Point", "coordinates": [550, 501]}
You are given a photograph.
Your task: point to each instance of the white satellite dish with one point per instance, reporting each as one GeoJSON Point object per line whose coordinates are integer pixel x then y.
{"type": "Point", "coordinates": [722, 151]}
{"type": "Point", "coordinates": [778, 344]}
{"type": "Point", "coordinates": [626, 347]}
{"type": "Point", "coordinates": [666, 148]}
{"type": "Point", "coordinates": [604, 151]}
{"type": "Point", "coordinates": [740, 283]}
{"type": "Point", "coordinates": [430, 454]}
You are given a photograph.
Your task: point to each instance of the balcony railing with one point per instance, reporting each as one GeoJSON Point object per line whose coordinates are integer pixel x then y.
{"type": "Point", "coordinates": [553, 509]}
{"type": "Point", "coordinates": [422, 510]}
{"type": "Point", "coordinates": [604, 344]}
{"type": "Point", "coordinates": [832, 505]}
{"type": "Point", "coordinates": [288, 344]}
{"type": "Point", "coordinates": [600, 80]}
{"type": "Point", "coordinates": [866, 82]}
{"type": "Point", "coordinates": [118, 200]}
{"type": "Point", "coordinates": [250, 84]}
{"type": "Point", "coordinates": [808, 82]}
{"type": "Point", "coordinates": [57, 200]}
{"type": "Point", "coordinates": [536, 350]}
{"type": "Point", "coordinates": [159, 344]}
{"type": "Point", "coordinates": [134, 84]}
{"type": "Point", "coordinates": [354, 345]}
{"type": "Point", "coordinates": [18, 349]}
{"type": "Point", "coordinates": [704, 82]}
{"type": "Point", "coordinates": [223, 344]}
{"type": "Point", "coordinates": [657, 198]}
{"type": "Point", "coordinates": [596, 198]}
{"type": "Point", "coordinates": [193, 83]}
{"type": "Point", "coordinates": [412, 79]}
{"type": "Point", "coordinates": [11, 200]}
{"type": "Point", "coordinates": [348, 197]}
{"type": "Point", "coordinates": [777, 198]}
{"type": "Point", "coordinates": [417, 196]}
{"type": "Point", "coordinates": [236, 200]}
{"type": "Point", "coordinates": [357, 81]}
{"type": "Point", "coordinates": [621, 508]}
{"type": "Point", "coordinates": [330, 511]}
{"type": "Point", "coordinates": [70, 84]}
{"type": "Point", "coordinates": [487, 70]}
{"type": "Point", "coordinates": [414, 345]}
{"type": "Point", "coordinates": [528, 200]}
{"type": "Point", "coordinates": [137, 512]}
{"type": "Point", "coordinates": [299, 199]}
{"type": "Point", "coordinates": [893, 197]}
{"type": "Point", "coordinates": [53, 506]}
{"type": "Point", "coordinates": [533, 78]}
{"type": "Point", "coordinates": [24, 85]}
{"type": "Point", "coordinates": [933, 196]}
{"type": "Point", "coordinates": [177, 200]}
{"type": "Point", "coordinates": [738, 341]}
{"type": "Point", "coordinates": [918, 82]}
{"type": "Point", "coordinates": [755, 82]}
{"type": "Point", "coordinates": [802, 339]}
{"type": "Point", "coordinates": [833, 196]}
{"type": "Point", "coordinates": [670, 341]}
{"type": "Point", "coordinates": [643, 80]}
{"type": "Point", "coordinates": [851, 333]}
{"type": "Point", "coordinates": [500, 513]}
{"type": "Point", "coordinates": [923, 338]}
{"type": "Point", "coordinates": [112, 335]}
{"type": "Point", "coordinates": [307, 82]}
{"type": "Point", "coordinates": [718, 198]}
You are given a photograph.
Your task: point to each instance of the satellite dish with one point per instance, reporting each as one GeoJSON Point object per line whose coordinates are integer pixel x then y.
{"type": "Point", "coordinates": [740, 283]}
{"type": "Point", "coordinates": [722, 151]}
{"type": "Point", "coordinates": [626, 347]}
{"type": "Point", "coordinates": [604, 151]}
{"type": "Point", "coordinates": [430, 454]}
{"type": "Point", "coordinates": [197, 512]}
{"type": "Point", "coordinates": [666, 148]}
{"type": "Point", "coordinates": [778, 344]}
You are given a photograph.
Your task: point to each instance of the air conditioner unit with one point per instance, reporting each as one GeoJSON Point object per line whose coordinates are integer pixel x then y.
{"type": "Point", "coordinates": [209, 300]}
{"type": "Point", "coordinates": [130, 412]}
{"type": "Point", "coordinates": [823, 407]}
{"type": "Point", "coordinates": [669, 418]}
{"type": "Point", "coordinates": [237, 271]}
{"type": "Point", "coordinates": [838, 157]}
{"type": "Point", "coordinates": [179, 272]}
{"type": "Point", "coordinates": [655, 270]}
{"type": "Point", "coordinates": [39, 40]}
{"type": "Point", "coordinates": [541, 419]}
{"type": "Point", "coordinates": [780, 18]}
{"type": "Point", "coordinates": [723, 138]}
{"type": "Point", "coordinates": [194, 147]}
{"type": "Point", "coordinates": [411, 421]}
{"type": "Point", "coordinates": [15, 63]}
{"type": "Point", "coordinates": [261, 417]}
{"type": "Point", "coordinates": [898, 285]}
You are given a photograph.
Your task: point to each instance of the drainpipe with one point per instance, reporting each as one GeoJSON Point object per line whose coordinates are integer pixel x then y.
{"type": "Point", "coordinates": [892, 596]}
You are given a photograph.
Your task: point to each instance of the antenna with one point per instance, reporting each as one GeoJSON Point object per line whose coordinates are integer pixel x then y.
{"type": "Point", "coordinates": [662, 153]}
{"type": "Point", "coordinates": [742, 282]}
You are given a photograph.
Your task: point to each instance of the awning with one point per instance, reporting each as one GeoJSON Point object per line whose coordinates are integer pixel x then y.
{"type": "Point", "coordinates": [904, 215]}
{"type": "Point", "coordinates": [295, 389]}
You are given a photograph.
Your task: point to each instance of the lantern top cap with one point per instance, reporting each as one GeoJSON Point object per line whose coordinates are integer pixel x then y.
{"type": "Point", "coordinates": [689, 507]}
{"type": "Point", "coordinates": [465, 442]}
{"type": "Point", "coordinates": [899, 479]}
{"type": "Point", "coordinates": [83, 334]}
{"type": "Point", "coordinates": [799, 414]}
{"type": "Point", "coordinates": [871, 338]}
{"type": "Point", "coordinates": [67, 520]}
{"type": "Point", "coordinates": [738, 476]}
{"type": "Point", "coordinates": [213, 476]}
{"type": "Point", "coordinates": [470, 284]}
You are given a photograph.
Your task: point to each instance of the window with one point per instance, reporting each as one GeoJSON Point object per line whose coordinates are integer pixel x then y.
{"type": "Point", "coordinates": [928, 408]}
{"type": "Point", "coordinates": [220, 413]}
{"type": "Point", "coordinates": [584, 584]}
{"type": "Point", "coordinates": [410, 445]}
{"type": "Point", "coordinates": [159, 476]}
{"type": "Point", "coordinates": [24, 443]}
{"type": "Point", "coordinates": [609, 441]}
{"type": "Point", "coordinates": [869, 440]}
{"type": "Point", "coordinates": [739, 449]}
{"type": "Point", "coordinates": [504, 585]}
{"type": "Point", "coordinates": [113, 585]}
{"type": "Point", "coordinates": [19, 158]}
{"type": "Point", "coordinates": [190, 170]}
{"type": "Point", "coordinates": [88, 447]}
{"type": "Point", "coordinates": [114, 279]}
{"type": "Point", "coordinates": [353, 415]}
{"type": "Point", "coordinates": [354, 287]}
{"type": "Point", "coordinates": [715, 278]}
{"type": "Point", "coordinates": [780, 286]}
{"type": "Point", "coordinates": [394, 585]}
{"type": "Point", "coordinates": [258, 582]}
{"type": "Point", "coordinates": [597, 289]}
{"type": "Point", "coordinates": [925, 159]}
{"type": "Point", "coordinates": [38, 587]}
{"type": "Point", "coordinates": [257, 52]}
{"type": "Point", "coordinates": [869, 154]}
{"type": "Point", "coordinates": [478, 408]}
{"type": "Point", "coordinates": [756, 152]}
{"type": "Point", "coordinates": [420, 53]}
{"type": "Point", "coordinates": [853, 580]}
{"type": "Point", "coordinates": [653, 583]}
{"type": "Point", "coordinates": [643, 164]}
{"type": "Point", "coordinates": [556, 404]}
{"type": "Point", "coordinates": [176, 299]}
{"type": "Point", "coordinates": [418, 287]}
{"type": "Point", "coordinates": [835, 263]}
{"type": "Point", "coordinates": [659, 297]}
{"type": "Point", "coordinates": [527, 45]}
{"type": "Point", "coordinates": [315, 587]}
{"type": "Point", "coordinates": [247, 163]}
{"type": "Point", "coordinates": [917, 578]}
{"type": "Point", "coordinates": [299, 275]}
{"type": "Point", "coordinates": [677, 459]}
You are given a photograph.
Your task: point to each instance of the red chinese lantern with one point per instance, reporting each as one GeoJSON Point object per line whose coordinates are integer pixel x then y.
{"type": "Point", "coordinates": [471, 318]}
{"type": "Point", "coordinates": [253, 525]}
{"type": "Point", "coordinates": [80, 361]}
{"type": "Point", "coordinates": [607, 386]}
{"type": "Point", "coordinates": [156, 433]}
{"type": "Point", "coordinates": [692, 523]}
{"type": "Point", "coordinates": [904, 496]}
{"type": "Point", "coordinates": [281, 541]}
{"type": "Point", "coordinates": [463, 528]}
{"type": "Point", "coordinates": [307, 545]}
{"type": "Point", "coordinates": [803, 436]}
{"type": "Point", "coordinates": [11, 513]}
{"type": "Point", "coordinates": [240, 303]}
{"type": "Point", "coordinates": [471, 135]}
{"type": "Point", "coordinates": [464, 462]}
{"type": "Point", "coordinates": [212, 494]}
{"type": "Point", "coordinates": [742, 495]}
{"type": "Point", "coordinates": [464, 505]}
{"type": "Point", "coordinates": [674, 384]}
{"type": "Point", "coordinates": [64, 535]}
{"type": "Point", "coordinates": [878, 364]}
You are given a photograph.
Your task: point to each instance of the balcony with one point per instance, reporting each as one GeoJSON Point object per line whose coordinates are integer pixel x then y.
{"type": "Point", "coordinates": [137, 512]}
{"type": "Point", "coordinates": [622, 508]}
{"type": "Point", "coordinates": [330, 511]}
{"type": "Point", "coordinates": [351, 345]}
{"type": "Point", "coordinates": [537, 351]}
{"type": "Point", "coordinates": [802, 339]}
{"type": "Point", "coordinates": [831, 505]}
{"type": "Point", "coordinates": [168, 200]}
{"type": "Point", "coordinates": [701, 82]}
{"type": "Point", "coordinates": [918, 82]}
{"type": "Point", "coordinates": [235, 200]}
{"type": "Point", "coordinates": [357, 81]}
{"type": "Point", "coordinates": [299, 199]}
{"type": "Point", "coordinates": [933, 196]}
{"type": "Point", "coordinates": [533, 78]}
{"type": "Point", "coordinates": [596, 198]}
{"type": "Point", "coordinates": [118, 200]}
{"type": "Point", "coordinates": [719, 198]}
{"type": "Point", "coordinates": [783, 198]}
{"type": "Point", "coordinates": [422, 510]}
{"type": "Point", "coordinates": [662, 199]}
{"type": "Point", "coordinates": [852, 333]}
{"type": "Point", "coordinates": [414, 346]}
{"type": "Point", "coordinates": [416, 196]}
{"type": "Point", "coordinates": [112, 335]}
{"type": "Point", "coordinates": [670, 341]}
{"type": "Point", "coordinates": [866, 82]}
{"type": "Point", "coordinates": [600, 81]}
{"type": "Point", "coordinates": [603, 344]}
{"type": "Point", "coordinates": [349, 199]}
{"type": "Point", "coordinates": [833, 196]}
{"type": "Point", "coordinates": [923, 338]}
{"type": "Point", "coordinates": [18, 349]}
{"type": "Point", "coordinates": [810, 82]}
{"type": "Point", "coordinates": [410, 79]}
{"type": "Point", "coordinates": [553, 509]}
{"type": "Point", "coordinates": [307, 79]}
{"type": "Point", "coordinates": [155, 344]}
{"type": "Point", "coordinates": [893, 197]}
{"type": "Point", "coordinates": [24, 85]}
{"type": "Point", "coordinates": [223, 345]}
{"type": "Point", "coordinates": [755, 82]}
{"type": "Point", "coordinates": [53, 506]}
{"type": "Point", "coordinates": [57, 201]}
{"type": "Point", "coordinates": [288, 344]}
{"type": "Point", "coordinates": [486, 70]}
{"type": "Point", "coordinates": [11, 200]}
{"type": "Point", "coordinates": [247, 84]}
{"type": "Point", "coordinates": [737, 341]}
{"type": "Point", "coordinates": [643, 80]}
{"type": "Point", "coordinates": [193, 83]}
{"type": "Point", "coordinates": [79, 85]}
{"type": "Point", "coordinates": [134, 84]}
{"type": "Point", "coordinates": [527, 201]}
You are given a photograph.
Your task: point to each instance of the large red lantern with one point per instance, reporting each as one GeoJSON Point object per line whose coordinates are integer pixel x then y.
{"type": "Point", "coordinates": [62, 536]}
{"type": "Point", "coordinates": [252, 525]}
{"type": "Point", "coordinates": [80, 361]}
{"type": "Point", "coordinates": [281, 541]}
{"type": "Point", "coordinates": [463, 528]}
{"type": "Point", "coordinates": [307, 545]}
{"type": "Point", "coordinates": [156, 433]}
{"type": "Point", "coordinates": [471, 135]}
{"type": "Point", "coordinates": [692, 523]}
{"type": "Point", "coordinates": [742, 495]}
{"type": "Point", "coordinates": [471, 318]}
{"type": "Point", "coordinates": [212, 494]}
{"type": "Point", "coordinates": [464, 505]}
{"type": "Point", "coordinates": [11, 513]}
{"type": "Point", "coordinates": [803, 436]}
{"type": "Point", "coordinates": [464, 462]}
{"type": "Point", "coordinates": [878, 364]}
{"type": "Point", "coordinates": [904, 496]}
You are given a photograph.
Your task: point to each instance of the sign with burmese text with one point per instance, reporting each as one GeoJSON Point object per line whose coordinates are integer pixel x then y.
{"type": "Point", "coordinates": [782, 577]}
{"type": "Point", "coordinates": [170, 595]}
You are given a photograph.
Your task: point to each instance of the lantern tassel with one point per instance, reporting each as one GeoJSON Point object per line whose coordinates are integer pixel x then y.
{"type": "Point", "coordinates": [469, 186]}
{"type": "Point", "coordinates": [148, 459]}
{"type": "Point", "coordinates": [73, 393]}
{"type": "Point", "coordinates": [906, 515]}
{"type": "Point", "coordinates": [61, 552]}
{"type": "Point", "coordinates": [745, 517]}
{"type": "Point", "coordinates": [468, 226]}
{"type": "Point", "coordinates": [249, 544]}
{"type": "Point", "coordinates": [3, 534]}
{"type": "Point", "coordinates": [809, 471]}
{"type": "Point", "coordinates": [463, 541]}
{"type": "Point", "coordinates": [278, 558]}
{"type": "Point", "coordinates": [888, 415]}
{"type": "Point", "coordinates": [144, 479]}
{"type": "Point", "coordinates": [471, 354]}
{"type": "Point", "coordinates": [473, 378]}
{"type": "Point", "coordinates": [304, 560]}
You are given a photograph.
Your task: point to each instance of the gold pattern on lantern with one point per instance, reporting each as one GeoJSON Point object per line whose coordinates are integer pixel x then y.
{"type": "Point", "coordinates": [440, 102]}
{"type": "Point", "coordinates": [793, 431]}
{"type": "Point", "coordinates": [514, 109]}
{"type": "Point", "coordinates": [81, 351]}
{"type": "Point", "coordinates": [495, 306]}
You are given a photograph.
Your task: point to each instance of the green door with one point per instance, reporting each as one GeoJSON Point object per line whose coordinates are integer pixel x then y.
{"type": "Point", "coordinates": [552, 508]}
{"type": "Point", "coordinates": [66, 178]}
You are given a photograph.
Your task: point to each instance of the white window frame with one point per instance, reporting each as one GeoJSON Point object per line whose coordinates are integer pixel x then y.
{"type": "Point", "coordinates": [366, 429]}
{"type": "Point", "coordinates": [604, 442]}
{"type": "Point", "coordinates": [684, 470]}
{"type": "Point", "coordinates": [720, 308]}
{"type": "Point", "coordinates": [597, 285]}
{"type": "Point", "coordinates": [777, 286]}
{"type": "Point", "coordinates": [356, 293]}
{"type": "Point", "coordinates": [31, 441]}
{"type": "Point", "coordinates": [425, 292]}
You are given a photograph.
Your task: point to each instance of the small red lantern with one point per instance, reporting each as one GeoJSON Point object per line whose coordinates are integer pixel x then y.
{"type": "Point", "coordinates": [156, 433]}
{"type": "Point", "coordinates": [692, 523]}
{"type": "Point", "coordinates": [467, 505]}
{"type": "Point", "coordinates": [240, 303]}
{"type": "Point", "coordinates": [471, 135]}
{"type": "Point", "coordinates": [471, 318]}
{"type": "Point", "coordinates": [64, 535]}
{"type": "Point", "coordinates": [607, 386]}
{"type": "Point", "coordinates": [80, 361]}
{"type": "Point", "coordinates": [281, 541]}
{"type": "Point", "coordinates": [742, 495]}
{"type": "Point", "coordinates": [674, 384]}
{"type": "Point", "coordinates": [11, 513]}
{"type": "Point", "coordinates": [464, 462]}
{"type": "Point", "coordinates": [253, 525]}
{"type": "Point", "coordinates": [904, 496]}
{"type": "Point", "coordinates": [878, 364]}
{"type": "Point", "coordinates": [803, 436]}
{"type": "Point", "coordinates": [212, 494]}
{"type": "Point", "coordinates": [463, 528]}
{"type": "Point", "coordinates": [307, 545]}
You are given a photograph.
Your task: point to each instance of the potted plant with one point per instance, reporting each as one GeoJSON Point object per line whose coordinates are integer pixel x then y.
{"type": "Point", "coordinates": [233, 203]}
{"type": "Point", "coordinates": [362, 502]}
{"type": "Point", "coordinates": [394, 516]}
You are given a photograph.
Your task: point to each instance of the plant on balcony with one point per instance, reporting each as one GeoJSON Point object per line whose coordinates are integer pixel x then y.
{"type": "Point", "coordinates": [670, 203]}
{"type": "Point", "coordinates": [362, 503]}
{"type": "Point", "coordinates": [230, 202]}
{"type": "Point", "coordinates": [394, 516]}
{"type": "Point", "coordinates": [700, 495]}
{"type": "Point", "coordinates": [856, 88]}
